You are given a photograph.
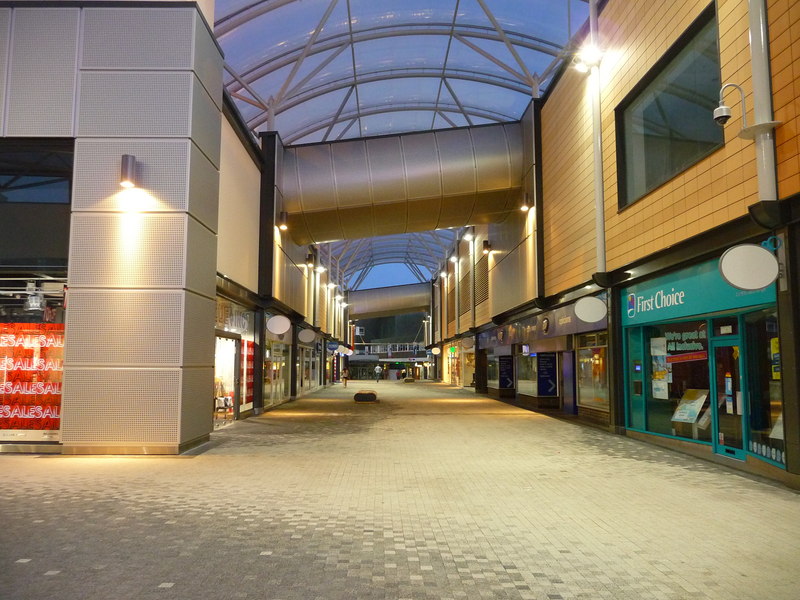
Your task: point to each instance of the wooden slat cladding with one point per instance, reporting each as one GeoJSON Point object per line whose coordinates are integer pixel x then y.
{"type": "Point", "coordinates": [482, 280]}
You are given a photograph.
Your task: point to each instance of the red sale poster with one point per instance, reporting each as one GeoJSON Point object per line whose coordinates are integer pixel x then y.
{"type": "Point", "coordinates": [31, 371]}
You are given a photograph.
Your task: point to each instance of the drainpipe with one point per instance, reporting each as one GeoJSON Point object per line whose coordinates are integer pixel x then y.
{"type": "Point", "coordinates": [768, 212]}
{"type": "Point", "coordinates": [597, 140]}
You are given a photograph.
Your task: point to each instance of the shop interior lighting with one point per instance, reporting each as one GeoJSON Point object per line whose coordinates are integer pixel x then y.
{"type": "Point", "coordinates": [487, 247]}
{"type": "Point", "coordinates": [127, 177]}
{"type": "Point", "coordinates": [283, 220]}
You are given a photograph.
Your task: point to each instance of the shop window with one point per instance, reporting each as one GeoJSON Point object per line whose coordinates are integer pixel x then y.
{"type": "Point", "coordinates": [35, 171]}
{"type": "Point", "coordinates": [677, 395]}
{"type": "Point", "coordinates": [527, 380]}
{"type": "Point", "coordinates": [665, 125]}
{"type": "Point", "coordinates": [592, 378]}
{"type": "Point", "coordinates": [764, 376]}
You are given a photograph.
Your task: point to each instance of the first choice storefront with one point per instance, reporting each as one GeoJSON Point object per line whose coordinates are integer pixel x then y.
{"type": "Point", "coordinates": [702, 363]}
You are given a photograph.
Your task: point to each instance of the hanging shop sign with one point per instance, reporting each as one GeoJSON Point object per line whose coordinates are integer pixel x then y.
{"type": "Point", "coordinates": [31, 372]}
{"type": "Point", "coordinates": [692, 291]}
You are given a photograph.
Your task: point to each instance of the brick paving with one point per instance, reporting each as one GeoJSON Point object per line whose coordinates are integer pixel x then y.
{"type": "Point", "coordinates": [432, 493]}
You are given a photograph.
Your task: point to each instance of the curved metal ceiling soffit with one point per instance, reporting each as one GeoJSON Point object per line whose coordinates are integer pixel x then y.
{"type": "Point", "coordinates": [502, 55]}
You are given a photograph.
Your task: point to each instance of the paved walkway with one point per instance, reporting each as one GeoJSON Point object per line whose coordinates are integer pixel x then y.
{"type": "Point", "coordinates": [431, 494]}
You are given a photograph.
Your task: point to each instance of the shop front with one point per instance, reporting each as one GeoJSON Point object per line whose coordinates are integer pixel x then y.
{"type": "Point", "coordinates": [234, 356]}
{"type": "Point", "coordinates": [702, 363]}
{"type": "Point", "coordinates": [552, 360]}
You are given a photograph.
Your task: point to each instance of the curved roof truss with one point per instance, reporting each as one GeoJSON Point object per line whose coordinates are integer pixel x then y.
{"type": "Point", "coordinates": [284, 56]}
{"type": "Point", "coordinates": [423, 254]}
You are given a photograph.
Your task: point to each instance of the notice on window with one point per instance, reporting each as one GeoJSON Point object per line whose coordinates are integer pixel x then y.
{"type": "Point", "coordinates": [690, 406]}
{"type": "Point", "coordinates": [31, 370]}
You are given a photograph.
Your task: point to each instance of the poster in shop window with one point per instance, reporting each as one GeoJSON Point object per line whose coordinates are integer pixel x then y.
{"type": "Point", "coordinates": [660, 373]}
{"type": "Point", "coordinates": [31, 370]}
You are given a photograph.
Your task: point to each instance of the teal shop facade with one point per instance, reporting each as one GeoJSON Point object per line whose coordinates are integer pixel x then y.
{"type": "Point", "coordinates": [701, 364]}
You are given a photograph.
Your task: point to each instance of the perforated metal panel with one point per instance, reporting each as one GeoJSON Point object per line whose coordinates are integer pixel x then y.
{"type": "Point", "coordinates": [207, 60]}
{"type": "Point", "coordinates": [198, 331]}
{"type": "Point", "coordinates": [138, 38]}
{"type": "Point", "coordinates": [120, 406]}
{"type": "Point", "coordinates": [204, 189]}
{"type": "Point", "coordinates": [206, 123]}
{"type": "Point", "coordinates": [135, 104]}
{"type": "Point", "coordinates": [124, 328]}
{"type": "Point", "coordinates": [161, 167]}
{"type": "Point", "coordinates": [196, 402]}
{"type": "Point", "coordinates": [131, 250]}
{"type": "Point", "coordinates": [5, 41]}
{"type": "Point", "coordinates": [42, 65]}
{"type": "Point", "coordinates": [201, 259]}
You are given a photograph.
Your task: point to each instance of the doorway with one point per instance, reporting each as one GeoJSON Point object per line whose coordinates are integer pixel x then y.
{"type": "Point", "coordinates": [729, 407]}
{"type": "Point", "coordinates": [227, 379]}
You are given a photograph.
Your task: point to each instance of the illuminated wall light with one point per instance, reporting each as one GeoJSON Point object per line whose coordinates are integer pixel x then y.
{"type": "Point", "coordinates": [468, 237]}
{"type": "Point", "coordinates": [321, 269]}
{"type": "Point", "coordinates": [283, 220]}
{"type": "Point", "coordinates": [587, 57]}
{"type": "Point", "coordinates": [487, 247]}
{"type": "Point", "coordinates": [454, 259]}
{"type": "Point", "coordinates": [443, 274]}
{"type": "Point", "coordinates": [127, 177]}
{"type": "Point", "coordinates": [310, 261]}
{"type": "Point", "coordinates": [525, 205]}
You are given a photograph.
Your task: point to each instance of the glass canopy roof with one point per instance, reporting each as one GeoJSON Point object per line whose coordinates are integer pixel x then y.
{"type": "Point", "coordinates": [421, 253]}
{"type": "Point", "coordinates": [322, 70]}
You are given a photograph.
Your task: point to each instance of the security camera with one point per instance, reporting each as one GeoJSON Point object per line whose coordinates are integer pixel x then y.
{"type": "Point", "coordinates": [722, 114]}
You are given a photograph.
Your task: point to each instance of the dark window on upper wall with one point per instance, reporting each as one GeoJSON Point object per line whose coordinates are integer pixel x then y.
{"type": "Point", "coordinates": [665, 124]}
{"type": "Point", "coordinates": [35, 171]}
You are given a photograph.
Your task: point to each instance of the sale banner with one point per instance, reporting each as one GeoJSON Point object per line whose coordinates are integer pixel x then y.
{"type": "Point", "coordinates": [31, 374]}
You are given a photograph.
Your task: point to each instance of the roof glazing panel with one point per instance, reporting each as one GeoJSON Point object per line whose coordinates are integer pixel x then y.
{"type": "Point", "coordinates": [336, 69]}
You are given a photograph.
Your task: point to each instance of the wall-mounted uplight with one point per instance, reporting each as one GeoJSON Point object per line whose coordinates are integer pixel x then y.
{"type": "Point", "coordinates": [283, 220]}
{"type": "Point", "coordinates": [321, 269]}
{"type": "Point", "coordinates": [467, 237]}
{"type": "Point", "coordinates": [525, 204]}
{"type": "Point", "coordinates": [310, 261]}
{"type": "Point", "coordinates": [453, 259]}
{"type": "Point", "coordinates": [587, 57]}
{"type": "Point", "coordinates": [443, 274]}
{"type": "Point", "coordinates": [127, 178]}
{"type": "Point", "coordinates": [487, 247]}
{"type": "Point", "coordinates": [331, 286]}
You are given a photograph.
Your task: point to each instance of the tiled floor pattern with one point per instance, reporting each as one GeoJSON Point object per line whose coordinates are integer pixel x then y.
{"type": "Point", "coordinates": [430, 494]}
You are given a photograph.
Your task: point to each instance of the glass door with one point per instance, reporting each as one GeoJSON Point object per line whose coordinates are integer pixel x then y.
{"type": "Point", "coordinates": [227, 380]}
{"type": "Point", "coordinates": [729, 421]}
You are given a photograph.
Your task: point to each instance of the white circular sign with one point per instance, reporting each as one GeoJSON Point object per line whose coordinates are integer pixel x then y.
{"type": "Point", "coordinates": [590, 309]}
{"type": "Point", "coordinates": [749, 267]}
{"type": "Point", "coordinates": [307, 336]}
{"type": "Point", "coordinates": [278, 324]}
{"type": "Point", "coordinates": [436, 350]}
{"type": "Point", "coordinates": [467, 343]}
